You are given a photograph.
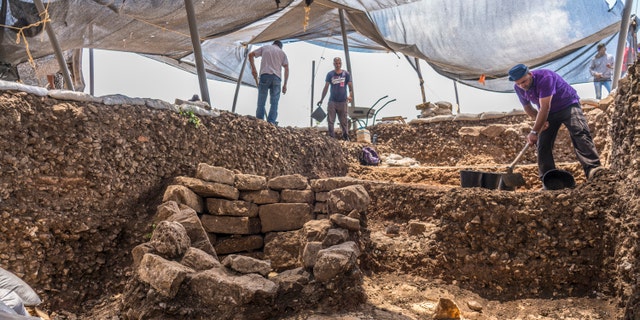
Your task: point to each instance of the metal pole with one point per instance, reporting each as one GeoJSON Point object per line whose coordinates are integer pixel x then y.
{"type": "Point", "coordinates": [455, 87]}
{"type": "Point", "coordinates": [313, 77]}
{"type": "Point", "coordinates": [244, 64]}
{"type": "Point", "coordinates": [56, 46]}
{"type": "Point", "coordinates": [197, 50]}
{"type": "Point", "coordinates": [345, 43]}
{"type": "Point", "coordinates": [424, 96]}
{"type": "Point", "coordinates": [91, 74]}
{"type": "Point", "coordinates": [622, 39]}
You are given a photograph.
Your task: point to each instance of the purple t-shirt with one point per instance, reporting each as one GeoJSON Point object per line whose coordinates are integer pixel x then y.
{"type": "Point", "coordinates": [338, 84]}
{"type": "Point", "coordinates": [548, 83]}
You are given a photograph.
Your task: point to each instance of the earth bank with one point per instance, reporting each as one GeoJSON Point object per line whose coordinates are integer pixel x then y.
{"type": "Point", "coordinates": [81, 183]}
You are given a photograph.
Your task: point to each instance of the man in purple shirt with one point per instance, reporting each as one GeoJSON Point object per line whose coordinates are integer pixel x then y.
{"type": "Point", "coordinates": [556, 103]}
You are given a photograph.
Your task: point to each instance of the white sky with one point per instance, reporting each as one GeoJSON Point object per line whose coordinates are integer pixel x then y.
{"type": "Point", "coordinates": [374, 75]}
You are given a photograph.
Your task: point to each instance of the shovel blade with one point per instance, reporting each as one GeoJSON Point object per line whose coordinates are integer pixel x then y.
{"type": "Point", "coordinates": [513, 180]}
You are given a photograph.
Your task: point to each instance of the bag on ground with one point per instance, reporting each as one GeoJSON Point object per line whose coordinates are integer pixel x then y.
{"type": "Point", "coordinates": [369, 157]}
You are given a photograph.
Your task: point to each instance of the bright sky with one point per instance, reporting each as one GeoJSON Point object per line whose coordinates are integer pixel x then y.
{"type": "Point", "coordinates": [375, 75]}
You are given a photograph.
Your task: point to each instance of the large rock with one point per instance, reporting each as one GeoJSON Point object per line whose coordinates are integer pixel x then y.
{"type": "Point", "coordinates": [283, 249]}
{"type": "Point", "coordinates": [163, 275]}
{"type": "Point", "coordinates": [292, 181]}
{"type": "Point", "coordinates": [209, 189]}
{"type": "Point", "coordinates": [237, 244]}
{"type": "Point", "coordinates": [239, 208]}
{"type": "Point", "coordinates": [184, 195]}
{"type": "Point", "coordinates": [346, 199]}
{"type": "Point", "coordinates": [335, 261]}
{"type": "Point", "coordinates": [187, 217]}
{"type": "Point", "coordinates": [230, 225]}
{"type": "Point", "coordinates": [284, 216]}
{"type": "Point", "coordinates": [230, 293]}
{"type": "Point", "coordinates": [215, 174]}
{"type": "Point", "coordinates": [170, 239]}
{"type": "Point", "coordinates": [246, 265]}
{"type": "Point", "coordinates": [250, 182]}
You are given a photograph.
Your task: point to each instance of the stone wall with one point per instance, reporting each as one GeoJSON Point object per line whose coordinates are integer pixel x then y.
{"type": "Point", "coordinates": [257, 226]}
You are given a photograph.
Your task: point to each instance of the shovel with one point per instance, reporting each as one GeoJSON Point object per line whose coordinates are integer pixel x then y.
{"type": "Point", "coordinates": [510, 179]}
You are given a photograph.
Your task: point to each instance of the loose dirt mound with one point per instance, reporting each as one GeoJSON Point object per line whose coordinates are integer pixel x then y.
{"type": "Point", "coordinates": [80, 183]}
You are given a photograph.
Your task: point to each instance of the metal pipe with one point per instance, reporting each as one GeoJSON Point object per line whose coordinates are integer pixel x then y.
{"type": "Point", "coordinates": [56, 46]}
{"type": "Point", "coordinates": [244, 64]}
{"type": "Point", "coordinates": [622, 39]}
{"type": "Point", "coordinates": [455, 87]}
{"type": "Point", "coordinates": [91, 74]}
{"type": "Point", "coordinates": [313, 77]}
{"type": "Point", "coordinates": [197, 50]}
{"type": "Point", "coordinates": [345, 43]}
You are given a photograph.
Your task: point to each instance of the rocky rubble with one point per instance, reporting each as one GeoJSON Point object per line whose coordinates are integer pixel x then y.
{"type": "Point", "coordinates": [83, 179]}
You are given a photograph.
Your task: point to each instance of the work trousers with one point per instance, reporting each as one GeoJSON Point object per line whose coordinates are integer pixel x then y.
{"type": "Point", "coordinates": [575, 122]}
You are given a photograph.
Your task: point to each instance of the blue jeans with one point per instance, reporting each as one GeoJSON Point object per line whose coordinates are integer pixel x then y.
{"type": "Point", "coordinates": [269, 84]}
{"type": "Point", "coordinates": [599, 84]}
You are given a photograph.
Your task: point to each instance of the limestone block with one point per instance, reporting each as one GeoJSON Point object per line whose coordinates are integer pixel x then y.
{"type": "Point", "coordinates": [284, 216]}
{"type": "Point", "coordinates": [238, 208]}
{"type": "Point", "coordinates": [215, 174]}
{"type": "Point", "coordinates": [163, 275]}
{"type": "Point", "coordinates": [291, 181]}
{"type": "Point", "coordinates": [249, 182]}
{"type": "Point", "coordinates": [230, 225]}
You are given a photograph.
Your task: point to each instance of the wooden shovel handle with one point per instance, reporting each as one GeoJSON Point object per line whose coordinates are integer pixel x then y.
{"type": "Point", "coordinates": [513, 164]}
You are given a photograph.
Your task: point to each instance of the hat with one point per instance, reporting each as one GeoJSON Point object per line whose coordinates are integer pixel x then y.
{"type": "Point", "coordinates": [517, 72]}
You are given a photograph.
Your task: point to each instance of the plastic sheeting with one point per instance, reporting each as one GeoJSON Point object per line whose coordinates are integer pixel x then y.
{"type": "Point", "coordinates": [460, 39]}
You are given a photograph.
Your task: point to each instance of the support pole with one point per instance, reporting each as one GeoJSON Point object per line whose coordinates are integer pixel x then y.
{"type": "Point", "coordinates": [424, 96]}
{"type": "Point", "coordinates": [455, 87]}
{"type": "Point", "coordinates": [244, 64]}
{"type": "Point", "coordinates": [197, 50]}
{"type": "Point", "coordinates": [56, 46]}
{"type": "Point", "coordinates": [91, 74]}
{"type": "Point", "coordinates": [313, 77]}
{"type": "Point", "coordinates": [622, 39]}
{"type": "Point", "coordinates": [345, 43]}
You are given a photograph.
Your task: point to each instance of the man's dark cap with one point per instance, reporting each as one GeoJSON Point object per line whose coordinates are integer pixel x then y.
{"type": "Point", "coordinates": [517, 72]}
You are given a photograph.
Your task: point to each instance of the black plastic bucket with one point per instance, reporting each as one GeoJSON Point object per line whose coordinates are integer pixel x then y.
{"type": "Point", "coordinates": [491, 180]}
{"type": "Point", "coordinates": [557, 179]}
{"type": "Point", "coordinates": [470, 179]}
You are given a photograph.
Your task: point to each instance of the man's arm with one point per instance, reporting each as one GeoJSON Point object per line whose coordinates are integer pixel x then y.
{"type": "Point", "coordinates": [541, 120]}
{"type": "Point", "coordinates": [286, 78]}
{"type": "Point", "coordinates": [350, 97]}
{"type": "Point", "coordinates": [252, 57]}
{"type": "Point", "coordinates": [531, 111]}
{"type": "Point", "coordinates": [324, 93]}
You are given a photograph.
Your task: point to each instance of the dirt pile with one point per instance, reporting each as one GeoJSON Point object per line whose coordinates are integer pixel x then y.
{"type": "Point", "coordinates": [81, 181]}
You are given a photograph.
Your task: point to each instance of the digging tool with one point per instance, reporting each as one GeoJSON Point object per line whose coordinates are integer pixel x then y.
{"type": "Point", "coordinates": [510, 179]}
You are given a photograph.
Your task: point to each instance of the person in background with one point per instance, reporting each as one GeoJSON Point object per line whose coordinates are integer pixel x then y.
{"type": "Point", "coordinates": [601, 69]}
{"type": "Point", "coordinates": [339, 80]}
{"type": "Point", "coordinates": [556, 103]}
{"type": "Point", "coordinates": [271, 64]}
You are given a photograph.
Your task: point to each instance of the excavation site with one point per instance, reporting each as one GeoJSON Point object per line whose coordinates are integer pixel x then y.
{"type": "Point", "coordinates": [127, 208]}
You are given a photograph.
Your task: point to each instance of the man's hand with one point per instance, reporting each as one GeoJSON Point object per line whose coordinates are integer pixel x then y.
{"type": "Point", "coordinates": [284, 89]}
{"type": "Point", "coordinates": [532, 138]}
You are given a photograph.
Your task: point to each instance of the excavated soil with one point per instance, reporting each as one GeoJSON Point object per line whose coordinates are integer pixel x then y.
{"type": "Point", "coordinates": [80, 183]}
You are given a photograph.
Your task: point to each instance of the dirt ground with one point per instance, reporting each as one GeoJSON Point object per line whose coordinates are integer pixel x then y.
{"type": "Point", "coordinates": [80, 183]}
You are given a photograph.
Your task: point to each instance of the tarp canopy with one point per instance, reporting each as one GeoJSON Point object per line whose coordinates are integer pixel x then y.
{"type": "Point", "coordinates": [461, 40]}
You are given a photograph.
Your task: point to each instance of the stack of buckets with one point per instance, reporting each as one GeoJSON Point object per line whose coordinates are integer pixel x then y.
{"type": "Point", "coordinates": [363, 135]}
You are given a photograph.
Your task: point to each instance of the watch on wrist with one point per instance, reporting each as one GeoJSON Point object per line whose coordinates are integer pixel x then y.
{"type": "Point", "coordinates": [535, 133]}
